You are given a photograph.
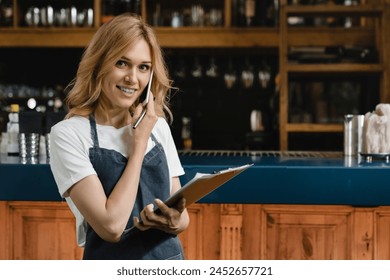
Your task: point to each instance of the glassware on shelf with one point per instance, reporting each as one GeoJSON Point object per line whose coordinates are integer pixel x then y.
{"type": "Point", "coordinates": [247, 75]}
{"type": "Point", "coordinates": [197, 69]}
{"type": "Point", "coordinates": [230, 75]}
{"type": "Point", "coordinates": [213, 69]}
{"type": "Point", "coordinates": [264, 75]}
{"type": "Point", "coordinates": [180, 69]}
{"type": "Point", "coordinates": [197, 15]}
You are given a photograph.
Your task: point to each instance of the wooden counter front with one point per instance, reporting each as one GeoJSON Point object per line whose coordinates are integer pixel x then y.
{"type": "Point", "coordinates": [46, 230]}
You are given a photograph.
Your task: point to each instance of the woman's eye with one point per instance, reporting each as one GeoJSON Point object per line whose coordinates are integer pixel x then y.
{"type": "Point", "coordinates": [121, 63]}
{"type": "Point", "coordinates": [144, 67]}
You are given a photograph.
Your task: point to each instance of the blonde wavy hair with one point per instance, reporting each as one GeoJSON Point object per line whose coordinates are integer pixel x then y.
{"type": "Point", "coordinates": [107, 45]}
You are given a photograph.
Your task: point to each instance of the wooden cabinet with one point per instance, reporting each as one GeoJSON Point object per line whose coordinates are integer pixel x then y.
{"type": "Point", "coordinates": [46, 230]}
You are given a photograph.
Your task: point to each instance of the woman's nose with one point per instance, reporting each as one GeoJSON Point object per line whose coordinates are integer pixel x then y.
{"type": "Point", "coordinates": [131, 77]}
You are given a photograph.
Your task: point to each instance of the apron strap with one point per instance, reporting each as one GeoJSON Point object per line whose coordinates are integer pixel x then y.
{"type": "Point", "coordinates": [94, 134]}
{"type": "Point", "coordinates": [153, 138]}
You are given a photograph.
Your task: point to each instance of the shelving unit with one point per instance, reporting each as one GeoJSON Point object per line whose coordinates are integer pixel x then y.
{"type": "Point", "coordinates": [325, 36]}
{"type": "Point", "coordinates": [376, 32]}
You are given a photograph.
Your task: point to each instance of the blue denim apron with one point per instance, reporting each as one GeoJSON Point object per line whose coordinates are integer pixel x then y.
{"type": "Point", "coordinates": [154, 183]}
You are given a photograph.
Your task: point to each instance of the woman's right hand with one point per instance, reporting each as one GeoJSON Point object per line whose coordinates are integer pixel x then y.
{"type": "Point", "coordinates": [142, 133]}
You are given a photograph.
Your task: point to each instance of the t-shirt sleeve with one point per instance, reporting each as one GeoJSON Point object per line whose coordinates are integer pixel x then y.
{"type": "Point", "coordinates": [69, 158]}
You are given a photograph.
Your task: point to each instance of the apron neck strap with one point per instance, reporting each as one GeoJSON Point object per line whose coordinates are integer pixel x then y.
{"type": "Point", "coordinates": [94, 134]}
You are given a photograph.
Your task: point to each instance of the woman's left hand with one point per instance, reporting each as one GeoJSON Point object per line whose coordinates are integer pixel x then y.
{"type": "Point", "coordinates": [170, 220]}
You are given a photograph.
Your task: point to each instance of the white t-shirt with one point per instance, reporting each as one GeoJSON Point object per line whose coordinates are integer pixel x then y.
{"type": "Point", "coordinates": [70, 141]}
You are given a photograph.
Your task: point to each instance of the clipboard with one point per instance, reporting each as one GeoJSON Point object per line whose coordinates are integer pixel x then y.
{"type": "Point", "coordinates": [198, 187]}
{"type": "Point", "coordinates": [202, 184]}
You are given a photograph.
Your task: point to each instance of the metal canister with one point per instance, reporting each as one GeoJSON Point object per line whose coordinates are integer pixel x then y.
{"type": "Point", "coordinates": [353, 134]}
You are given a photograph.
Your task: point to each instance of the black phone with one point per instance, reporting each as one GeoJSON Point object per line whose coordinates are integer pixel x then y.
{"type": "Point", "coordinates": [144, 99]}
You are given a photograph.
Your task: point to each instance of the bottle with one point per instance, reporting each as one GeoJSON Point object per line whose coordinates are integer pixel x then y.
{"type": "Point", "coordinates": [13, 131]}
{"type": "Point", "coordinates": [137, 7]}
{"type": "Point", "coordinates": [7, 13]}
{"type": "Point", "coordinates": [250, 8]}
{"type": "Point", "coordinates": [186, 133]}
{"type": "Point", "coordinates": [241, 19]}
{"type": "Point", "coordinates": [108, 10]}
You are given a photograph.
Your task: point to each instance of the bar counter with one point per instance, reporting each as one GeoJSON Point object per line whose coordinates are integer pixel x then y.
{"type": "Point", "coordinates": [315, 178]}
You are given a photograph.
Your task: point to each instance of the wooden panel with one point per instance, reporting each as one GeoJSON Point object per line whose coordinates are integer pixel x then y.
{"type": "Point", "coordinates": [251, 232]}
{"type": "Point", "coordinates": [362, 236]}
{"type": "Point", "coordinates": [46, 230]}
{"type": "Point", "coordinates": [382, 234]}
{"type": "Point", "coordinates": [231, 231]}
{"type": "Point", "coordinates": [306, 233]}
{"type": "Point", "coordinates": [4, 230]}
{"type": "Point", "coordinates": [202, 238]}
{"type": "Point", "coordinates": [43, 231]}
{"type": "Point", "coordinates": [191, 239]}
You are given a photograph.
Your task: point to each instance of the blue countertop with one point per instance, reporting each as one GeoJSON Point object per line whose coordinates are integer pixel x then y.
{"type": "Point", "coordinates": [275, 177]}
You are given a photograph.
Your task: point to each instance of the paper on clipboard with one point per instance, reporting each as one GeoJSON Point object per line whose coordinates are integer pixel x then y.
{"type": "Point", "coordinates": [203, 184]}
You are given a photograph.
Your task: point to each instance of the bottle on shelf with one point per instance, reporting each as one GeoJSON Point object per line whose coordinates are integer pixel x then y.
{"type": "Point", "coordinates": [250, 8]}
{"type": "Point", "coordinates": [108, 10]}
{"type": "Point", "coordinates": [137, 7]}
{"type": "Point", "coordinates": [186, 133]}
{"type": "Point", "coordinates": [13, 131]}
{"type": "Point", "coordinates": [6, 13]}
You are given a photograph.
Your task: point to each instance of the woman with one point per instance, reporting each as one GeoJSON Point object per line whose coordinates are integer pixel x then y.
{"type": "Point", "coordinates": [109, 173]}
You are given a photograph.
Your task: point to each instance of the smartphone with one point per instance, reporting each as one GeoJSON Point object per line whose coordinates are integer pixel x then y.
{"type": "Point", "coordinates": [144, 99]}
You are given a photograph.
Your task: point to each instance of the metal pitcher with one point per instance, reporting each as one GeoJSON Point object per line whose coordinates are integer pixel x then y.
{"type": "Point", "coordinates": [353, 134]}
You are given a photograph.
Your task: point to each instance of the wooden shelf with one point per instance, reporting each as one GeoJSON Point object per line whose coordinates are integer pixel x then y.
{"type": "Point", "coordinates": [313, 127]}
{"type": "Point", "coordinates": [190, 37]}
{"type": "Point", "coordinates": [187, 37]}
{"type": "Point", "coordinates": [168, 37]}
{"type": "Point", "coordinates": [331, 36]}
{"type": "Point", "coordinates": [45, 37]}
{"type": "Point", "coordinates": [334, 10]}
{"type": "Point", "coordinates": [334, 68]}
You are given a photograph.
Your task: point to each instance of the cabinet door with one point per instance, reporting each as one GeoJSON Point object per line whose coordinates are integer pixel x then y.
{"type": "Point", "coordinates": [306, 232]}
{"type": "Point", "coordinates": [42, 231]}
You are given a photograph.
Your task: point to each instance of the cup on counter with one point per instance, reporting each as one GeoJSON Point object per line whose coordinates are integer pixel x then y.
{"type": "Point", "coordinates": [29, 145]}
{"type": "Point", "coordinates": [353, 134]}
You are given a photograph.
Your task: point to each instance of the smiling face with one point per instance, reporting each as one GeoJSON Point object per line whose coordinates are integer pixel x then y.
{"type": "Point", "coordinates": [126, 80]}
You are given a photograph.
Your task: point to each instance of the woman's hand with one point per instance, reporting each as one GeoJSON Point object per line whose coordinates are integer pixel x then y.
{"type": "Point", "coordinates": [171, 220]}
{"type": "Point", "coordinates": [142, 133]}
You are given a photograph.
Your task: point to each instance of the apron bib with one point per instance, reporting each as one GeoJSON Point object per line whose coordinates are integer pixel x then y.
{"type": "Point", "coordinates": [154, 183]}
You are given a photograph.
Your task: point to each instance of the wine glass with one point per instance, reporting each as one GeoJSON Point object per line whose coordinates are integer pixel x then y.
{"type": "Point", "coordinates": [264, 74]}
{"type": "Point", "coordinates": [230, 75]}
{"type": "Point", "coordinates": [247, 75]}
{"type": "Point", "coordinates": [212, 70]}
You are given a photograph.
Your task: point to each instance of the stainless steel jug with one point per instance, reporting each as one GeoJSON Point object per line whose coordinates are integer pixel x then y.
{"type": "Point", "coordinates": [353, 134]}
